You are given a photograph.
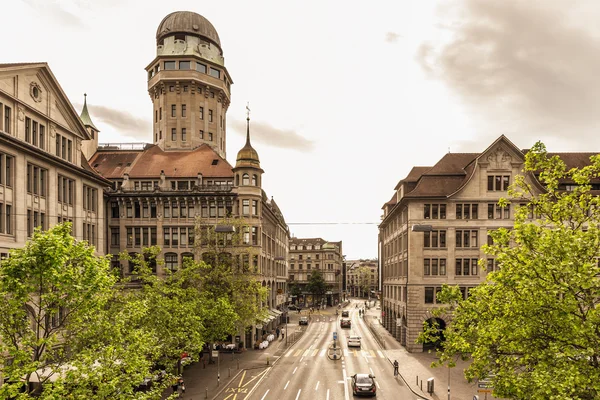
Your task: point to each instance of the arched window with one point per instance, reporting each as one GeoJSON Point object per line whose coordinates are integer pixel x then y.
{"type": "Point", "coordinates": [237, 180]}
{"type": "Point", "coordinates": [245, 179]}
{"type": "Point", "coordinates": [171, 261]}
{"type": "Point", "coordinates": [185, 257]}
{"type": "Point", "coordinates": [254, 180]}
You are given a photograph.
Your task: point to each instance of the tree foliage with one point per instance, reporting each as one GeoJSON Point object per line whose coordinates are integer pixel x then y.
{"type": "Point", "coordinates": [316, 283]}
{"type": "Point", "coordinates": [363, 275]}
{"type": "Point", "coordinates": [533, 325]}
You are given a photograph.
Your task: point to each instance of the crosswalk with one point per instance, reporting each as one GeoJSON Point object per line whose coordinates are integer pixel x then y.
{"type": "Point", "coordinates": [322, 352]}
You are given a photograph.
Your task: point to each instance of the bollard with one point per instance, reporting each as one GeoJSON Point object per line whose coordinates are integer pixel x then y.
{"type": "Point", "coordinates": [219, 380]}
{"type": "Point", "coordinates": [206, 396]}
{"type": "Point", "coordinates": [267, 360]}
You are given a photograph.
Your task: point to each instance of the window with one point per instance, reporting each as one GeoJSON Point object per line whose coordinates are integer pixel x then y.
{"type": "Point", "coordinates": [434, 211]}
{"type": "Point", "coordinates": [185, 65]}
{"type": "Point", "coordinates": [28, 131]}
{"type": "Point", "coordinates": [434, 266]}
{"type": "Point", "coordinates": [245, 207]}
{"type": "Point", "coordinates": [201, 134]}
{"type": "Point", "coordinates": [36, 180]}
{"type": "Point", "coordinates": [173, 110]}
{"type": "Point", "coordinates": [64, 147]}
{"type": "Point", "coordinates": [429, 295]}
{"type": "Point", "coordinates": [254, 180]}
{"type": "Point", "coordinates": [495, 211]}
{"type": "Point", "coordinates": [200, 67]}
{"type": "Point", "coordinates": [7, 113]}
{"type": "Point", "coordinates": [115, 237]}
{"type": "Point", "coordinates": [434, 239]}
{"type": "Point", "coordinates": [90, 198]}
{"type": "Point", "coordinates": [210, 115]}
{"type": "Point", "coordinates": [466, 266]}
{"type": "Point", "coordinates": [170, 65]}
{"type": "Point", "coordinates": [254, 207]}
{"type": "Point", "coordinates": [42, 142]}
{"type": "Point", "coordinates": [66, 190]}
{"type": "Point", "coordinates": [467, 211]}
{"type": "Point", "coordinates": [210, 136]}
{"type": "Point", "coordinates": [174, 134]}
{"type": "Point", "coordinates": [183, 110]}
{"type": "Point", "coordinates": [183, 135]}
{"type": "Point", "coordinates": [171, 261]}
{"type": "Point", "coordinates": [467, 238]}
{"type": "Point", "coordinates": [498, 183]}
{"type": "Point", "coordinates": [245, 179]}
{"type": "Point", "coordinates": [254, 236]}
{"type": "Point", "coordinates": [492, 265]}
{"type": "Point", "coordinates": [215, 72]}
{"type": "Point", "coordinates": [201, 113]}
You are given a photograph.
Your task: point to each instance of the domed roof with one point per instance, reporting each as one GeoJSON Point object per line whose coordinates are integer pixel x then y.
{"type": "Point", "coordinates": [247, 156]}
{"type": "Point", "coordinates": [187, 22]}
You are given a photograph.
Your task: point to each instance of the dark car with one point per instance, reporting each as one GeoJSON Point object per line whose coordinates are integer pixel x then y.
{"type": "Point", "coordinates": [303, 321]}
{"type": "Point", "coordinates": [364, 385]}
{"type": "Point", "coordinates": [345, 313]}
{"type": "Point", "coordinates": [345, 323]}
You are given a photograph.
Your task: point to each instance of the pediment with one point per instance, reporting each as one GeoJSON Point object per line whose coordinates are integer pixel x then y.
{"type": "Point", "coordinates": [502, 155]}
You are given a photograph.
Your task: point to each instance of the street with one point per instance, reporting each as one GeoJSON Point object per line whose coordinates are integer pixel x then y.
{"type": "Point", "coordinates": [306, 372]}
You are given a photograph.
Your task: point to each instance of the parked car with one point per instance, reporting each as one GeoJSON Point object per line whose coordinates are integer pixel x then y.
{"type": "Point", "coordinates": [345, 313]}
{"type": "Point", "coordinates": [364, 385]}
{"type": "Point", "coordinates": [345, 323]}
{"type": "Point", "coordinates": [303, 321]}
{"type": "Point", "coordinates": [354, 341]}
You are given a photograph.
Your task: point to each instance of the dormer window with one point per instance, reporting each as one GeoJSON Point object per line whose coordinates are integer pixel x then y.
{"type": "Point", "coordinates": [215, 162]}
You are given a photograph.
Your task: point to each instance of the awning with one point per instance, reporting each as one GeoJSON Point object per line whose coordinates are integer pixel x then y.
{"type": "Point", "coordinates": [268, 319]}
{"type": "Point", "coordinates": [275, 312]}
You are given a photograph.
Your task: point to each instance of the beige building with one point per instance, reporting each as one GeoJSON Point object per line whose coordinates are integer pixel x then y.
{"type": "Point", "coordinates": [434, 225]}
{"type": "Point", "coordinates": [307, 255]}
{"type": "Point", "coordinates": [362, 278]}
{"type": "Point", "coordinates": [44, 176]}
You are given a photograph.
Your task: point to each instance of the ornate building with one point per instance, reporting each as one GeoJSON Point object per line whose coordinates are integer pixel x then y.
{"type": "Point", "coordinates": [163, 192]}
{"type": "Point", "coordinates": [434, 225]}
{"type": "Point", "coordinates": [362, 278]}
{"type": "Point", "coordinates": [44, 177]}
{"type": "Point", "coordinates": [307, 255]}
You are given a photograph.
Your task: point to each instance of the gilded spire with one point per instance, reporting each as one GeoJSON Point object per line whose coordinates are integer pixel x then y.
{"type": "Point", "coordinates": [248, 124]}
{"type": "Point", "coordinates": [85, 115]}
{"type": "Point", "coordinates": [247, 156]}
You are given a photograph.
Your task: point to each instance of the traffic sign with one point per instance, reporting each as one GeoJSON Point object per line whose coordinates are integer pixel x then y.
{"type": "Point", "coordinates": [215, 353]}
{"type": "Point", "coordinates": [334, 335]}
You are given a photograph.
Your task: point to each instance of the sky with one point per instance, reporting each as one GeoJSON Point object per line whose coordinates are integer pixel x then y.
{"type": "Point", "coordinates": [346, 96]}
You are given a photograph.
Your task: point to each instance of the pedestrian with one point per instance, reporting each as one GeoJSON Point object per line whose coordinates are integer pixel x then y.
{"type": "Point", "coordinates": [277, 331]}
{"type": "Point", "coordinates": [395, 368]}
{"type": "Point", "coordinates": [282, 334]}
{"type": "Point", "coordinates": [175, 385]}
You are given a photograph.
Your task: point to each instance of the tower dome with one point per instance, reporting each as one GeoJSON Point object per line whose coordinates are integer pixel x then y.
{"type": "Point", "coordinates": [247, 156]}
{"type": "Point", "coordinates": [190, 23]}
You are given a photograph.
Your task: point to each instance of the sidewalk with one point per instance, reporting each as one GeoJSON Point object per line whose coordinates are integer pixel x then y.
{"type": "Point", "coordinates": [415, 368]}
{"type": "Point", "coordinates": [201, 379]}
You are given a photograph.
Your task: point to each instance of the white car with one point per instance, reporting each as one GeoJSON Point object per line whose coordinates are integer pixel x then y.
{"type": "Point", "coordinates": [354, 341]}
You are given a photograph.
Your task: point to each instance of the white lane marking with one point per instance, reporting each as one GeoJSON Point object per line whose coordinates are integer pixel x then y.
{"type": "Point", "coordinates": [380, 354]}
{"type": "Point", "coordinates": [371, 369]}
{"type": "Point", "coordinates": [298, 395]}
{"type": "Point", "coordinates": [286, 385]}
{"type": "Point", "coordinates": [289, 353]}
{"type": "Point", "coordinates": [294, 370]}
{"type": "Point", "coordinates": [379, 387]}
{"type": "Point", "coordinates": [317, 387]}
{"type": "Point", "coordinates": [263, 398]}
{"type": "Point", "coordinates": [327, 394]}
{"type": "Point", "coordinates": [323, 352]}
{"type": "Point", "coordinates": [302, 359]}
{"type": "Point", "coordinates": [345, 385]}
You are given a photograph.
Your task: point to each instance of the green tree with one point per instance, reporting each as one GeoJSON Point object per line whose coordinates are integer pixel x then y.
{"type": "Point", "coordinates": [316, 284]}
{"type": "Point", "coordinates": [53, 292]}
{"type": "Point", "coordinates": [363, 275]}
{"type": "Point", "coordinates": [294, 289]}
{"type": "Point", "coordinates": [533, 324]}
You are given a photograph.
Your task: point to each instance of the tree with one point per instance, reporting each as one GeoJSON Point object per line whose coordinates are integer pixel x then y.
{"type": "Point", "coordinates": [316, 284]}
{"type": "Point", "coordinates": [533, 324]}
{"type": "Point", "coordinates": [363, 275]}
{"type": "Point", "coordinates": [53, 293]}
{"type": "Point", "coordinates": [294, 289]}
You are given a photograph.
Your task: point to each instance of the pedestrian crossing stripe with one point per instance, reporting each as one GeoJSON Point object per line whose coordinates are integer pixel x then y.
{"type": "Point", "coordinates": [323, 352]}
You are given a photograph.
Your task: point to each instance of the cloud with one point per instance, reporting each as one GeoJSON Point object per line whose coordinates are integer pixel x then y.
{"type": "Point", "coordinates": [392, 37]}
{"type": "Point", "coordinates": [128, 124]}
{"type": "Point", "coordinates": [521, 66]}
{"type": "Point", "coordinates": [56, 12]}
{"type": "Point", "coordinates": [264, 133]}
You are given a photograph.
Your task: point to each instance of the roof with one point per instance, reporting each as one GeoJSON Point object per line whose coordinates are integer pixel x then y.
{"type": "Point", "coordinates": [187, 22]}
{"type": "Point", "coordinates": [247, 156]}
{"type": "Point", "coordinates": [149, 163]}
{"type": "Point", "coordinates": [452, 163]}
{"type": "Point", "coordinates": [85, 115]}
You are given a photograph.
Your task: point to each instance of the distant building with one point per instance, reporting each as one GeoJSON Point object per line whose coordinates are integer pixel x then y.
{"type": "Point", "coordinates": [307, 255]}
{"type": "Point", "coordinates": [362, 278]}
{"type": "Point", "coordinates": [434, 225]}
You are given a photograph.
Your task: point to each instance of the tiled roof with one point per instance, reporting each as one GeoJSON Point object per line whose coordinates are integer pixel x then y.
{"type": "Point", "coordinates": [413, 176]}
{"type": "Point", "coordinates": [434, 186]}
{"type": "Point", "coordinates": [150, 162]}
{"type": "Point", "coordinates": [452, 163]}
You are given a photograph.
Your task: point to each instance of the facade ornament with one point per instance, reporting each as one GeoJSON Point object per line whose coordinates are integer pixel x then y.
{"type": "Point", "coordinates": [20, 113]}
{"type": "Point", "coordinates": [52, 130]}
{"type": "Point", "coordinates": [500, 159]}
{"type": "Point", "coordinates": [206, 91]}
{"type": "Point", "coordinates": [35, 91]}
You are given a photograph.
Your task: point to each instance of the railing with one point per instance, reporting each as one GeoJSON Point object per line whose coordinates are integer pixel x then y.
{"type": "Point", "coordinates": [200, 189]}
{"type": "Point", "coordinates": [123, 146]}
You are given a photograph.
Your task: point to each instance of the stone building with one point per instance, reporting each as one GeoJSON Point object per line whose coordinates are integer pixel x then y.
{"type": "Point", "coordinates": [362, 278]}
{"type": "Point", "coordinates": [168, 192]}
{"type": "Point", "coordinates": [307, 255]}
{"type": "Point", "coordinates": [434, 225]}
{"type": "Point", "coordinates": [44, 177]}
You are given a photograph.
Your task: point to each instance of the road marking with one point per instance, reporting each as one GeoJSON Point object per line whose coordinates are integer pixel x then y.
{"type": "Point", "coordinates": [317, 387]}
{"type": "Point", "coordinates": [294, 370]}
{"type": "Point", "coordinates": [323, 352]}
{"type": "Point", "coordinates": [315, 351]}
{"type": "Point", "coordinates": [302, 359]}
{"type": "Point", "coordinates": [298, 395]}
{"type": "Point", "coordinates": [354, 352]}
{"type": "Point", "coordinates": [378, 385]}
{"type": "Point", "coordinates": [346, 352]}
{"type": "Point", "coordinates": [286, 385]}
{"type": "Point", "coordinates": [345, 386]}
{"type": "Point", "coordinates": [380, 354]}
{"type": "Point", "coordinates": [298, 352]}
{"type": "Point", "coordinates": [306, 352]}
{"type": "Point", "coordinates": [372, 353]}
{"type": "Point", "coordinates": [371, 369]}
{"type": "Point", "coordinates": [289, 353]}
{"type": "Point", "coordinates": [327, 394]}
{"type": "Point", "coordinates": [263, 398]}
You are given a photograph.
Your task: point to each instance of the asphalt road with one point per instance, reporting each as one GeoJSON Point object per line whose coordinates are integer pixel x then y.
{"type": "Point", "coordinates": [306, 372]}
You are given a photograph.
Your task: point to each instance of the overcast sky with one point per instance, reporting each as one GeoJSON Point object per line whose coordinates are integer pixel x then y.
{"type": "Point", "coordinates": [346, 96]}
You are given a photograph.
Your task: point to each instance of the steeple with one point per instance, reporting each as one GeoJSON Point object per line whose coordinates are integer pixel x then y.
{"type": "Point", "coordinates": [247, 156]}
{"type": "Point", "coordinates": [85, 115]}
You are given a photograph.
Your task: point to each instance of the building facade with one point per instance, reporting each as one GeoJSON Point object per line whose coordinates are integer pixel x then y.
{"type": "Point", "coordinates": [307, 255]}
{"type": "Point", "coordinates": [44, 177]}
{"type": "Point", "coordinates": [433, 228]}
{"type": "Point", "coordinates": [362, 278]}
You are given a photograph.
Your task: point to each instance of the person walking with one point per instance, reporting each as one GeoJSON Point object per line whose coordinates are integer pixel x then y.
{"type": "Point", "coordinates": [282, 333]}
{"type": "Point", "coordinates": [395, 368]}
{"type": "Point", "coordinates": [277, 331]}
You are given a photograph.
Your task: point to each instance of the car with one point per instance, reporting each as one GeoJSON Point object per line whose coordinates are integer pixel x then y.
{"type": "Point", "coordinates": [345, 323]}
{"type": "Point", "coordinates": [345, 313]}
{"type": "Point", "coordinates": [303, 321]}
{"type": "Point", "coordinates": [364, 385]}
{"type": "Point", "coordinates": [354, 341]}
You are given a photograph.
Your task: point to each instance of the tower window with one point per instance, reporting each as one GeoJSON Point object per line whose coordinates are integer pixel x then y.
{"type": "Point", "coordinates": [180, 36]}
{"type": "Point", "coordinates": [201, 134]}
{"type": "Point", "coordinates": [183, 110]}
{"type": "Point", "coordinates": [215, 72]}
{"type": "Point", "coordinates": [210, 136]}
{"type": "Point", "coordinates": [210, 115]}
{"type": "Point", "coordinates": [184, 64]}
{"type": "Point", "coordinates": [174, 134]}
{"type": "Point", "coordinates": [245, 179]}
{"type": "Point", "coordinates": [173, 110]}
{"type": "Point", "coordinates": [254, 180]}
{"type": "Point", "coordinates": [183, 135]}
{"type": "Point", "coordinates": [160, 113]}
{"type": "Point", "coordinates": [170, 65]}
{"type": "Point", "coordinates": [185, 88]}
{"type": "Point", "coordinates": [200, 67]}
{"type": "Point", "coordinates": [201, 112]}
